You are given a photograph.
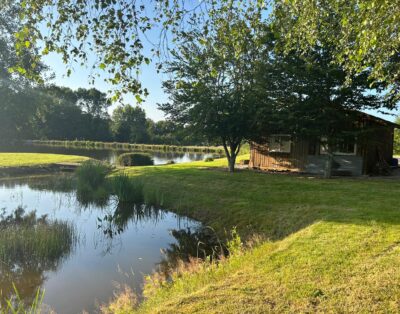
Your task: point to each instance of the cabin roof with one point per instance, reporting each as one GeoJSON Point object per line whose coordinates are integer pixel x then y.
{"type": "Point", "coordinates": [379, 120]}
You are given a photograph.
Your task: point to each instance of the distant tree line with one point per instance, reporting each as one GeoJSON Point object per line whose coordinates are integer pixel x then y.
{"type": "Point", "coordinates": [60, 113]}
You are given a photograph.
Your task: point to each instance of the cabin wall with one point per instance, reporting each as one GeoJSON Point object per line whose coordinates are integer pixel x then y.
{"type": "Point", "coordinates": [378, 147]}
{"type": "Point", "coordinates": [342, 165]}
{"type": "Point", "coordinates": [374, 145]}
{"type": "Point", "coordinates": [261, 158]}
{"type": "Point", "coordinates": [299, 160]}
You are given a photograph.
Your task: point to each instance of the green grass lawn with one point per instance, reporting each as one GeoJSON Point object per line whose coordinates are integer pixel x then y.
{"type": "Point", "coordinates": [331, 245]}
{"type": "Point", "coordinates": [33, 159]}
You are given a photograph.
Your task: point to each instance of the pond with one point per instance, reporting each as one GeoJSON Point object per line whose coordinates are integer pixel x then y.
{"type": "Point", "coordinates": [109, 155]}
{"type": "Point", "coordinates": [80, 252]}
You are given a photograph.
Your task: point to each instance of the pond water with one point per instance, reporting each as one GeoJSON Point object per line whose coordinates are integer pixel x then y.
{"type": "Point", "coordinates": [99, 247]}
{"type": "Point", "coordinates": [109, 155]}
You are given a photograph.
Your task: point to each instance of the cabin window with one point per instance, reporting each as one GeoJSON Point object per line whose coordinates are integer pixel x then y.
{"type": "Point", "coordinates": [343, 147]}
{"type": "Point", "coordinates": [280, 143]}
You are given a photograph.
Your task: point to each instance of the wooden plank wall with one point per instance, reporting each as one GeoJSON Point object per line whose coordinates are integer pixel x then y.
{"type": "Point", "coordinates": [296, 160]}
{"type": "Point", "coordinates": [381, 142]}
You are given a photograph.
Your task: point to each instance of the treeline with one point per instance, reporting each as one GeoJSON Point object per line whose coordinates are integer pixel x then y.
{"type": "Point", "coordinates": [59, 113]}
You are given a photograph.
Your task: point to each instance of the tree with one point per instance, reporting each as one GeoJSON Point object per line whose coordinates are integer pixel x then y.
{"type": "Point", "coordinates": [397, 138]}
{"type": "Point", "coordinates": [213, 85]}
{"type": "Point", "coordinates": [364, 35]}
{"type": "Point", "coordinates": [16, 105]}
{"type": "Point", "coordinates": [62, 113]}
{"type": "Point", "coordinates": [129, 124]}
{"type": "Point", "coordinates": [93, 102]}
{"type": "Point", "coordinates": [313, 99]}
{"type": "Point", "coordinates": [114, 32]}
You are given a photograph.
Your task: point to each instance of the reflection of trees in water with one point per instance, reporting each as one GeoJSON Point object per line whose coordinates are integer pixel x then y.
{"type": "Point", "coordinates": [200, 242]}
{"type": "Point", "coordinates": [116, 221]}
{"type": "Point", "coordinates": [99, 197]}
{"type": "Point", "coordinates": [62, 182]}
{"type": "Point", "coordinates": [29, 247]}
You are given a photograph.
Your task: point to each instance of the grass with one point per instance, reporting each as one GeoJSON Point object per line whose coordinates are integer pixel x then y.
{"type": "Point", "coordinates": [330, 245]}
{"type": "Point", "coordinates": [34, 160]}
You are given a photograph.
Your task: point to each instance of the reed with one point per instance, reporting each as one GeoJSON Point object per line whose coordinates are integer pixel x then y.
{"type": "Point", "coordinates": [127, 189]}
{"type": "Point", "coordinates": [28, 241]}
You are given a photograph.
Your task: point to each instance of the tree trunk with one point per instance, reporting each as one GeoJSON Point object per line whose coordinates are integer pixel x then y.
{"type": "Point", "coordinates": [232, 161]}
{"type": "Point", "coordinates": [231, 152]}
{"type": "Point", "coordinates": [328, 165]}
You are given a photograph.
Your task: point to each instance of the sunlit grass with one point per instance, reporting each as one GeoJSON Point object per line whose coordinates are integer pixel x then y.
{"type": "Point", "coordinates": [36, 159]}
{"type": "Point", "coordinates": [331, 245]}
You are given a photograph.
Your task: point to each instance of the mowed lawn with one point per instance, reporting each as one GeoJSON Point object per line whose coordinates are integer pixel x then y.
{"type": "Point", "coordinates": [35, 159]}
{"type": "Point", "coordinates": [330, 245]}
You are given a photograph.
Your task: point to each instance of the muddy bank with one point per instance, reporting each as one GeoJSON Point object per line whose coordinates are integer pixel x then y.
{"type": "Point", "coordinates": [38, 169]}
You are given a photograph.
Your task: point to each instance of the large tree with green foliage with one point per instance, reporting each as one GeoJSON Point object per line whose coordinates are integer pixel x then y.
{"type": "Point", "coordinates": [313, 99]}
{"type": "Point", "coordinates": [397, 139]}
{"type": "Point", "coordinates": [364, 35]}
{"type": "Point", "coordinates": [17, 107]}
{"type": "Point", "coordinates": [129, 124]}
{"type": "Point", "coordinates": [213, 88]}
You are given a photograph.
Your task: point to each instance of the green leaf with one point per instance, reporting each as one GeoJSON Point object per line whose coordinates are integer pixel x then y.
{"type": "Point", "coordinates": [139, 99]}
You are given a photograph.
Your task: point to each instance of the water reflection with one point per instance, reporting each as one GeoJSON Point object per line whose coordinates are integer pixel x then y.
{"type": "Point", "coordinates": [29, 247]}
{"type": "Point", "coordinates": [200, 242]}
{"type": "Point", "coordinates": [39, 249]}
{"type": "Point", "coordinates": [109, 155]}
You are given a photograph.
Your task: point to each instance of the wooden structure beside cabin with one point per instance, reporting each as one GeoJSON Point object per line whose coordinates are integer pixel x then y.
{"type": "Point", "coordinates": [282, 152]}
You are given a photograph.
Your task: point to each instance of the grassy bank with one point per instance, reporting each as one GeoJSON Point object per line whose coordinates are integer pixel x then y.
{"type": "Point", "coordinates": [128, 146]}
{"type": "Point", "coordinates": [333, 245]}
{"type": "Point", "coordinates": [33, 159]}
{"type": "Point", "coordinates": [22, 164]}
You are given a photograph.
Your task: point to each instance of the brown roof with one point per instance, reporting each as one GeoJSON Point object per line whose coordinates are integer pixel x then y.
{"type": "Point", "coordinates": [379, 120]}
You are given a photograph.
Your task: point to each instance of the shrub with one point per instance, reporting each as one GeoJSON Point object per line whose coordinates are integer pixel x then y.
{"type": "Point", "coordinates": [209, 159]}
{"type": "Point", "coordinates": [135, 159]}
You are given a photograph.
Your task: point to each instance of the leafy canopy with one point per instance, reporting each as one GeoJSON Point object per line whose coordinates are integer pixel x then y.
{"type": "Point", "coordinates": [123, 35]}
{"type": "Point", "coordinates": [364, 34]}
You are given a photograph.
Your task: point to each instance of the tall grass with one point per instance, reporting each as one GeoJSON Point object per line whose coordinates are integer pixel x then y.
{"type": "Point", "coordinates": [16, 305]}
{"type": "Point", "coordinates": [92, 174]}
{"type": "Point", "coordinates": [30, 246]}
{"type": "Point", "coordinates": [28, 241]}
{"type": "Point", "coordinates": [127, 189]}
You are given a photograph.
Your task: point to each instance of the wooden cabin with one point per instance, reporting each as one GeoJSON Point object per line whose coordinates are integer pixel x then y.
{"type": "Point", "coordinates": [282, 152]}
